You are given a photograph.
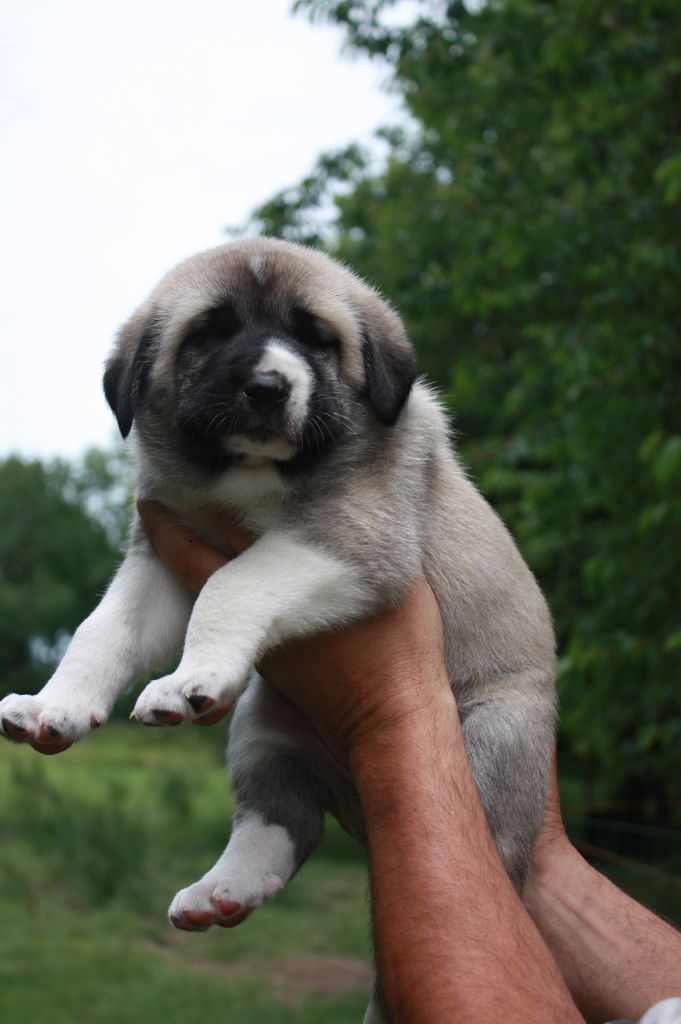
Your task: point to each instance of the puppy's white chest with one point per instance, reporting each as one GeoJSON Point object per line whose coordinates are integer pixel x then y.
{"type": "Point", "coordinates": [256, 490]}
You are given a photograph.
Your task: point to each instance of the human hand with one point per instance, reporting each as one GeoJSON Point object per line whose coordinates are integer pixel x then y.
{"type": "Point", "coordinates": [355, 684]}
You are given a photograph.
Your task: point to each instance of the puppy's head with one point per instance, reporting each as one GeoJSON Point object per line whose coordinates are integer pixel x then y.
{"type": "Point", "coordinates": [258, 351]}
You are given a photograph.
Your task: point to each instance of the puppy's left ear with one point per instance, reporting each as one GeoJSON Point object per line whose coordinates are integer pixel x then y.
{"type": "Point", "coordinates": [127, 370]}
{"type": "Point", "coordinates": [390, 370]}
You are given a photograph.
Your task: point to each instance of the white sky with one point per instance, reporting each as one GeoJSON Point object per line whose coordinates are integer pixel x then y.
{"type": "Point", "coordinates": [131, 134]}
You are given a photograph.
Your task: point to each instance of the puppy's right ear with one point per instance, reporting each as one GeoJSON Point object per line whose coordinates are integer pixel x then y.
{"type": "Point", "coordinates": [390, 367]}
{"type": "Point", "coordinates": [127, 370]}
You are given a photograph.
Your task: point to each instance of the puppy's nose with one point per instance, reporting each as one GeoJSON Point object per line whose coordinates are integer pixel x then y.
{"type": "Point", "coordinates": [266, 390]}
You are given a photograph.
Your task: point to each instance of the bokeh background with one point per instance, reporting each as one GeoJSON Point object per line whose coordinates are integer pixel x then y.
{"type": "Point", "coordinates": [509, 173]}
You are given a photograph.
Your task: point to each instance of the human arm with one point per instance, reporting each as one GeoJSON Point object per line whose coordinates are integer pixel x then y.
{"type": "Point", "coordinates": [617, 957]}
{"type": "Point", "coordinates": [453, 941]}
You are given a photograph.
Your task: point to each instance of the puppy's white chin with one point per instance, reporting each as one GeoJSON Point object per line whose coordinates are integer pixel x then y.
{"type": "Point", "coordinates": [274, 446]}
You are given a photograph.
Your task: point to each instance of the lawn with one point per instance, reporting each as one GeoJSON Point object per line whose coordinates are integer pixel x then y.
{"type": "Point", "coordinates": [96, 842]}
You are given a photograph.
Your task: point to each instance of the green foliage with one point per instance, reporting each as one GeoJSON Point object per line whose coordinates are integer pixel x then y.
{"type": "Point", "coordinates": [62, 529]}
{"type": "Point", "coordinates": [527, 223]}
{"type": "Point", "coordinates": [297, 214]}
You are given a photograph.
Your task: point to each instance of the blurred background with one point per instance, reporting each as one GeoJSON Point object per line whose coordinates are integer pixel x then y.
{"type": "Point", "coordinates": [509, 173]}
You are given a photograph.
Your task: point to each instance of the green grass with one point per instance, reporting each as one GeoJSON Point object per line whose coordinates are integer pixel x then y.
{"type": "Point", "coordinates": [96, 841]}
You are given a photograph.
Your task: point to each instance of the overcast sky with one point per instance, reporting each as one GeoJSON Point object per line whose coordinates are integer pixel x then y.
{"type": "Point", "coordinates": [131, 134]}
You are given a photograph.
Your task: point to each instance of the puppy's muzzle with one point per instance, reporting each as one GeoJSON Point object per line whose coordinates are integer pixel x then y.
{"type": "Point", "coordinates": [266, 391]}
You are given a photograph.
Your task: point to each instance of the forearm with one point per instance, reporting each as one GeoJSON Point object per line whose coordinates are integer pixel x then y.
{"type": "Point", "coordinates": [617, 958]}
{"type": "Point", "coordinates": [453, 941]}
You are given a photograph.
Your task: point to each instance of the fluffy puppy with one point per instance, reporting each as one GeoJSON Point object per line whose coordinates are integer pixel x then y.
{"type": "Point", "coordinates": [269, 380]}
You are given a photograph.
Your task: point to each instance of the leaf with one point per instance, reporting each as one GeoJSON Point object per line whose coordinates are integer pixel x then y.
{"type": "Point", "coordinates": [667, 463]}
{"type": "Point", "coordinates": [668, 175]}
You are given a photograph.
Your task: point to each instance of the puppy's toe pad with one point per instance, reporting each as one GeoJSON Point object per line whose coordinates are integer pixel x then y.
{"type": "Point", "coordinates": [51, 727]}
{"type": "Point", "coordinates": [160, 703]}
{"type": "Point", "coordinates": [225, 902]}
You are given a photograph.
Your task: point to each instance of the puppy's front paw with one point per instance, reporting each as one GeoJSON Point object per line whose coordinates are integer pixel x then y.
{"type": "Point", "coordinates": [203, 696]}
{"type": "Point", "coordinates": [222, 900]}
{"type": "Point", "coordinates": [50, 728]}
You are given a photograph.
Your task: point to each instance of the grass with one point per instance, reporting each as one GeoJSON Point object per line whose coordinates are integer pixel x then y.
{"type": "Point", "coordinates": [96, 842]}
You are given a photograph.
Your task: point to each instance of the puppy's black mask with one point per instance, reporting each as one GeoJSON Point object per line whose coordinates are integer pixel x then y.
{"type": "Point", "coordinates": [221, 392]}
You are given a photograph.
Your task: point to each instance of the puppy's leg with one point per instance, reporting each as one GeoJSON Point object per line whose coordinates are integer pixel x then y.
{"type": "Point", "coordinates": [278, 820]}
{"type": "Point", "coordinates": [279, 589]}
{"type": "Point", "coordinates": [138, 625]}
{"type": "Point", "coordinates": [509, 741]}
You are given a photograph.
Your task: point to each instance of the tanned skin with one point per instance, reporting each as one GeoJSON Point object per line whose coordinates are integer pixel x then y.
{"type": "Point", "coordinates": [617, 958]}
{"type": "Point", "coordinates": [453, 941]}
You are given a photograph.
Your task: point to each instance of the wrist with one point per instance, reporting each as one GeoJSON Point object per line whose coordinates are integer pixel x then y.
{"type": "Point", "coordinates": [402, 722]}
{"type": "Point", "coordinates": [554, 859]}
{"type": "Point", "coordinates": [418, 760]}
{"type": "Point", "coordinates": [559, 878]}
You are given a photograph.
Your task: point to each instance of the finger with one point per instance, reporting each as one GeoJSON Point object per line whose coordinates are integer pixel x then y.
{"type": "Point", "coordinates": [552, 828]}
{"type": "Point", "coordinates": [553, 798]}
{"type": "Point", "coordinates": [237, 538]}
{"type": "Point", "coordinates": [190, 558]}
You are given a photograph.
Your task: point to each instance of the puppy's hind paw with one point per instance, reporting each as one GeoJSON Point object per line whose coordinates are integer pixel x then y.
{"type": "Point", "coordinates": [223, 902]}
{"type": "Point", "coordinates": [193, 910]}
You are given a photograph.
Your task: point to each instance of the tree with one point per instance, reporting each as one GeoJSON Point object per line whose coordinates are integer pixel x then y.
{"type": "Point", "coordinates": [59, 541]}
{"type": "Point", "coordinates": [527, 224]}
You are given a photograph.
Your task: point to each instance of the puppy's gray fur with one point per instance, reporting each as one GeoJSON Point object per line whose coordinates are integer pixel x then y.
{"type": "Point", "coordinates": [352, 487]}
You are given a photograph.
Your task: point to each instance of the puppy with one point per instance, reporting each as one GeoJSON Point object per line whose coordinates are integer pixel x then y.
{"type": "Point", "coordinates": [269, 380]}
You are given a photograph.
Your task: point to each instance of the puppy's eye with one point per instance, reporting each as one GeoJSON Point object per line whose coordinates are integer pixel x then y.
{"type": "Point", "coordinates": [313, 332]}
{"type": "Point", "coordinates": [215, 327]}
